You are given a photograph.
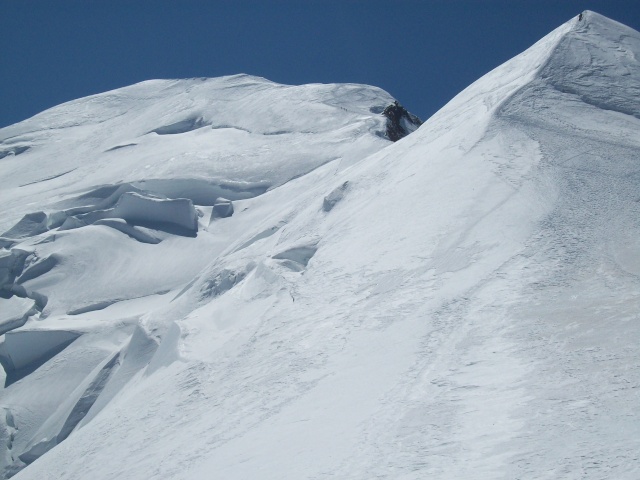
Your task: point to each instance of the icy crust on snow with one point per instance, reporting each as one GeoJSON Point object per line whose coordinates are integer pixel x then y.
{"type": "Point", "coordinates": [461, 304]}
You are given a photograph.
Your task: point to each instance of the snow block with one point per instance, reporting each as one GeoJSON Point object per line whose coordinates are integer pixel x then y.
{"type": "Point", "coordinates": [135, 207]}
{"type": "Point", "coordinates": [98, 199]}
{"type": "Point", "coordinates": [7, 242]}
{"type": "Point", "coordinates": [224, 279]}
{"type": "Point", "coordinates": [72, 222]}
{"type": "Point", "coordinates": [182, 126]}
{"type": "Point", "coordinates": [201, 191]}
{"type": "Point", "coordinates": [334, 197]}
{"type": "Point", "coordinates": [13, 151]}
{"type": "Point", "coordinates": [118, 147]}
{"type": "Point", "coordinates": [167, 352]}
{"type": "Point", "coordinates": [130, 230]}
{"type": "Point", "coordinates": [30, 225]}
{"type": "Point", "coordinates": [11, 265]}
{"type": "Point", "coordinates": [23, 352]}
{"type": "Point", "coordinates": [133, 358]}
{"type": "Point", "coordinates": [21, 292]}
{"type": "Point", "coordinates": [151, 211]}
{"type": "Point", "coordinates": [88, 398]}
{"type": "Point", "coordinates": [222, 208]}
{"type": "Point", "coordinates": [56, 219]}
{"type": "Point", "coordinates": [300, 255]}
{"type": "Point", "coordinates": [38, 450]}
{"type": "Point", "coordinates": [14, 313]}
{"type": "Point", "coordinates": [39, 267]}
{"type": "Point", "coordinates": [259, 236]}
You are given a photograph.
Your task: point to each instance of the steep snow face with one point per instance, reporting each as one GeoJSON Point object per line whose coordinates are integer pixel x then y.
{"type": "Point", "coordinates": [462, 303]}
{"type": "Point", "coordinates": [598, 64]}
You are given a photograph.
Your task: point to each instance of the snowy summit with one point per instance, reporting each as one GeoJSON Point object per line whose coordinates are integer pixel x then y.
{"type": "Point", "coordinates": [230, 278]}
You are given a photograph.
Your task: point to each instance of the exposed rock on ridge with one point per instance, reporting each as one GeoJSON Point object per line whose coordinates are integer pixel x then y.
{"type": "Point", "coordinates": [400, 122]}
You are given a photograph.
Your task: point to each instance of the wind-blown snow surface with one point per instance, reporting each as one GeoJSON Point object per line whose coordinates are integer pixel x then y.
{"type": "Point", "coordinates": [460, 304]}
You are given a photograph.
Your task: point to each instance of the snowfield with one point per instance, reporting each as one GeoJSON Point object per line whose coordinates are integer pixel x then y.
{"type": "Point", "coordinates": [230, 278]}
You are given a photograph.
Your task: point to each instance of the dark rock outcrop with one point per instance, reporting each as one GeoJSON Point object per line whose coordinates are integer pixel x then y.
{"type": "Point", "coordinates": [400, 122]}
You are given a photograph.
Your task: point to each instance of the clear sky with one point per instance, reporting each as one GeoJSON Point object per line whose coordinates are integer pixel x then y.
{"type": "Point", "coordinates": [422, 52]}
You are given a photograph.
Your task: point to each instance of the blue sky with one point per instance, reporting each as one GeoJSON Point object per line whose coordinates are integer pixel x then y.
{"type": "Point", "coordinates": [422, 52]}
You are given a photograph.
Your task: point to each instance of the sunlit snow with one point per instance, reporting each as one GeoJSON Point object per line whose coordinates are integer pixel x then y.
{"type": "Point", "coordinates": [230, 278]}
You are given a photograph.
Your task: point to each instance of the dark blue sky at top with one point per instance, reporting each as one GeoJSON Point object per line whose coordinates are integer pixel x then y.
{"type": "Point", "coordinates": [422, 52]}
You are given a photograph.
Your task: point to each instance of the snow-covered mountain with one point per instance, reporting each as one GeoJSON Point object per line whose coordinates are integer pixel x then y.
{"type": "Point", "coordinates": [229, 278]}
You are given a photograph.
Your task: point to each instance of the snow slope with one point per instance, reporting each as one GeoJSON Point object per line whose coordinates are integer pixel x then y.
{"type": "Point", "coordinates": [460, 304]}
{"type": "Point", "coordinates": [108, 206]}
